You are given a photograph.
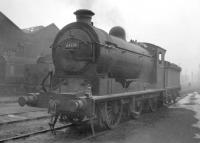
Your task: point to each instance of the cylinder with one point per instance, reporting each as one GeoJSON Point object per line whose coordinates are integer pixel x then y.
{"type": "Point", "coordinates": [76, 105]}
{"type": "Point", "coordinates": [27, 100]}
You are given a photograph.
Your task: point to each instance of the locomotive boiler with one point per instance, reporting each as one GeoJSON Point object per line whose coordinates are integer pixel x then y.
{"type": "Point", "coordinates": [96, 75]}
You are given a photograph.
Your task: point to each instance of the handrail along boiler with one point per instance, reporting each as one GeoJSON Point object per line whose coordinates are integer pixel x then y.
{"type": "Point", "coordinates": [97, 75]}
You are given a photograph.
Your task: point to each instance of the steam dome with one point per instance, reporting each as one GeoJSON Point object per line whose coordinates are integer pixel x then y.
{"type": "Point", "coordinates": [118, 31]}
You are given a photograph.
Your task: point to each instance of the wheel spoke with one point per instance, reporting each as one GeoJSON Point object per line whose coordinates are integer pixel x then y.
{"type": "Point", "coordinates": [113, 112]}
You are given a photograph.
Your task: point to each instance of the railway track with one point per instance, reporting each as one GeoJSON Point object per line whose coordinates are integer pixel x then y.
{"type": "Point", "coordinates": [33, 133]}
{"type": "Point", "coordinates": [24, 136]}
{"type": "Point", "coordinates": [16, 113]}
{"type": "Point", "coordinates": [18, 117]}
{"type": "Point", "coordinates": [90, 137]}
{"type": "Point", "coordinates": [23, 120]}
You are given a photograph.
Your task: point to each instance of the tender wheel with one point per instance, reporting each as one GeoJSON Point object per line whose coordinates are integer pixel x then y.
{"type": "Point", "coordinates": [113, 113]}
{"type": "Point", "coordinates": [167, 99]}
{"type": "Point", "coordinates": [153, 104]}
{"type": "Point", "coordinates": [174, 96]}
{"type": "Point", "coordinates": [170, 99]}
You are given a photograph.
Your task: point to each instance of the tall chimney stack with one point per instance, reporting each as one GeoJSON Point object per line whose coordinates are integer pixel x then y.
{"type": "Point", "coordinates": [84, 15]}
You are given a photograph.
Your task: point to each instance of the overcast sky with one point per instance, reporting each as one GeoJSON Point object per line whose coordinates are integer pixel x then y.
{"type": "Point", "coordinates": [171, 24]}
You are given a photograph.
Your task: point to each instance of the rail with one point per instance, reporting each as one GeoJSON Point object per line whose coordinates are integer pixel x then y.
{"type": "Point", "coordinates": [33, 133]}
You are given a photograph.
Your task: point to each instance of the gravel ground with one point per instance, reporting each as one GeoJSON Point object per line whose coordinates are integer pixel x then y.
{"type": "Point", "coordinates": [9, 108]}
{"type": "Point", "coordinates": [11, 130]}
{"type": "Point", "coordinates": [5, 119]}
{"type": "Point", "coordinates": [9, 99]}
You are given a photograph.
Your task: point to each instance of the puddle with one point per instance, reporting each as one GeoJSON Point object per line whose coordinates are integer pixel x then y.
{"type": "Point", "coordinates": [191, 102]}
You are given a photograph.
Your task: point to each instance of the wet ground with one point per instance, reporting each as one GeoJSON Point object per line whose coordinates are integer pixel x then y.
{"type": "Point", "coordinates": [179, 123]}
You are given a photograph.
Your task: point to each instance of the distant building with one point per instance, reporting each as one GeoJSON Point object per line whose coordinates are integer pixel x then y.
{"type": "Point", "coordinates": [33, 29]}
{"type": "Point", "coordinates": [22, 46]}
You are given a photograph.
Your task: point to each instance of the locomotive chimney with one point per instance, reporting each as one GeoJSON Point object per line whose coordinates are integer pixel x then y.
{"type": "Point", "coordinates": [84, 15]}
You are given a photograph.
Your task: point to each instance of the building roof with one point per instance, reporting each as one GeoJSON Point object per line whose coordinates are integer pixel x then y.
{"type": "Point", "coordinates": [25, 43]}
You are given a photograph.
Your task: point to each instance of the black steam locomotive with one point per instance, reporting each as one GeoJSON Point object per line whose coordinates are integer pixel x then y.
{"type": "Point", "coordinates": [98, 75]}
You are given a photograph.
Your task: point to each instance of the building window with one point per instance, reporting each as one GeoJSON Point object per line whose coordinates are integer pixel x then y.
{"type": "Point", "coordinates": [160, 58]}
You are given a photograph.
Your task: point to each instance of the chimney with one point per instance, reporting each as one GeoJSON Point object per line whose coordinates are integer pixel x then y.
{"type": "Point", "coordinates": [84, 15]}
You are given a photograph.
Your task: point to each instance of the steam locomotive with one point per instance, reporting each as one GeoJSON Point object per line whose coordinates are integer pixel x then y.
{"type": "Point", "coordinates": [98, 75]}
